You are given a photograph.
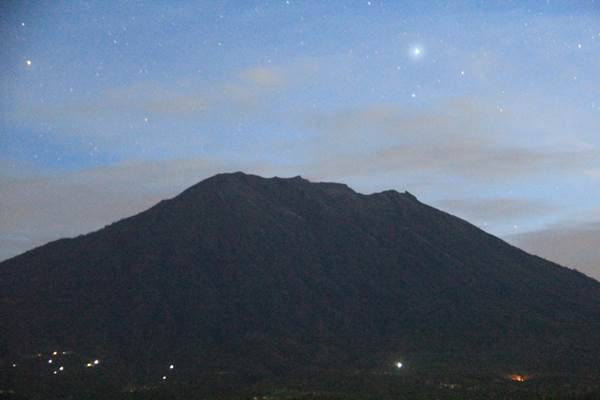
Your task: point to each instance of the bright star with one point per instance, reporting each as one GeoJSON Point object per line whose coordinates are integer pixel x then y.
{"type": "Point", "coordinates": [416, 52]}
{"type": "Point", "coordinates": [28, 62]}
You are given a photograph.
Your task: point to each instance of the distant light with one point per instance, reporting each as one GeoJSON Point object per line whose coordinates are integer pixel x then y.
{"type": "Point", "coordinates": [399, 364]}
{"type": "Point", "coordinates": [164, 378]}
{"type": "Point", "coordinates": [517, 377]}
{"type": "Point", "coordinates": [28, 63]}
{"type": "Point", "coordinates": [416, 52]}
{"type": "Point", "coordinates": [96, 362]}
{"type": "Point", "coordinates": [171, 366]}
{"type": "Point", "coordinates": [50, 361]}
{"type": "Point", "coordinates": [55, 353]}
{"type": "Point", "coordinates": [61, 369]}
{"type": "Point", "coordinates": [14, 365]}
{"type": "Point", "coordinates": [55, 372]}
{"type": "Point", "coordinates": [89, 365]}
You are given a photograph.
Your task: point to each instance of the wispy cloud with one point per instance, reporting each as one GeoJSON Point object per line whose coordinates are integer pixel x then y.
{"type": "Point", "coordinates": [463, 139]}
{"type": "Point", "coordinates": [263, 76]}
{"type": "Point", "coordinates": [570, 243]}
{"type": "Point", "coordinates": [37, 210]}
{"type": "Point", "coordinates": [504, 209]}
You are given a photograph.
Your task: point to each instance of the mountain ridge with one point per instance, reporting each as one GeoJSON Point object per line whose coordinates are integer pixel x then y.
{"type": "Point", "coordinates": [240, 271]}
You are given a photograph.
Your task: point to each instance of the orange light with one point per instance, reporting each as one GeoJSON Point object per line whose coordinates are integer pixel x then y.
{"type": "Point", "coordinates": [517, 377]}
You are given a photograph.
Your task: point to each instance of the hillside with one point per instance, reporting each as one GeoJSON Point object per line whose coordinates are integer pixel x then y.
{"type": "Point", "coordinates": [243, 273]}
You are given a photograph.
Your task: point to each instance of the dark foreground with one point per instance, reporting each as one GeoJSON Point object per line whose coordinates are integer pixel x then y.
{"type": "Point", "coordinates": [33, 380]}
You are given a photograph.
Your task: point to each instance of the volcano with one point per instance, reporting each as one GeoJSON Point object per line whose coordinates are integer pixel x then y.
{"type": "Point", "coordinates": [241, 272]}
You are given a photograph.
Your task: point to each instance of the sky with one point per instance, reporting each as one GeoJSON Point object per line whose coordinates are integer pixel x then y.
{"type": "Point", "coordinates": [489, 110]}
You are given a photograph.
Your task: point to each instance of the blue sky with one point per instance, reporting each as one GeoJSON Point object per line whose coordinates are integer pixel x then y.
{"type": "Point", "coordinates": [489, 110]}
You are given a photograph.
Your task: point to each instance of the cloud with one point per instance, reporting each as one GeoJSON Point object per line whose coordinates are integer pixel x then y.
{"type": "Point", "coordinates": [153, 99]}
{"type": "Point", "coordinates": [573, 244]}
{"type": "Point", "coordinates": [495, 209]}
{"type": "Point", "coordinates": [37, 210]}
{"type": "Point", "coordinates": [263, 77]}
{"type": "Point", "coordinates": [461, 139]}
{"type": "Point", "coordinates": [593, 173]}
{"type": "Point", "coordinates": [177, 101]}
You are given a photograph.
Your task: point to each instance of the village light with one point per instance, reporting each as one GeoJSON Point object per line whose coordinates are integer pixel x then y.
{"type": "Point", "coordinates": [517, 377]}
{"type": "Point", "coordinates": [50, 361]}
{"type": "Point", "coordinates": [96, 362]}
{"type": "Point", "coordinates": [61, 369]}
{"type": "Point", "coordinates": [171, 366]}
{"type": "Point", "coordinates": [399, 364]}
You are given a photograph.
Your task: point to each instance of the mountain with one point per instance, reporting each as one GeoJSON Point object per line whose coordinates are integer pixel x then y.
{"type": "Point", "coordinates": [240, 272]}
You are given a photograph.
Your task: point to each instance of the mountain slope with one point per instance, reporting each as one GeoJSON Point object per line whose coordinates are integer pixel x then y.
{"type": "Point", "coordinates": [242, 272]}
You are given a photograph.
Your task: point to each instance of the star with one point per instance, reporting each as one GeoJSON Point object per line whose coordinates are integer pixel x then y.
{"type": "Point", "coordinates": [416, 52]}
{"type": "Point", "coordinates": [28, 63]}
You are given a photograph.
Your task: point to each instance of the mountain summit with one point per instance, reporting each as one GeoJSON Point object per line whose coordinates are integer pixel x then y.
{"type": "Point", "coordinates": [243, 272]}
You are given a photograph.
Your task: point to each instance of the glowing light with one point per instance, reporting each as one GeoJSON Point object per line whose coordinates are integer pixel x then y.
{"type": "Point", "coordinates": [171, 366]}
{"type": "Point", "coordinates": [416, 52]}
{"type": "Point", "coordinates": [14, 365]}
{"type": "Point", "coordinates": [96, 362]}
{"type": "Point", "coordinates": [89, 365]}
{"type": "Point", "coordinates": [399, 364]}
{"type": "Point", "coordinates": [517, 377]}
{"type": "Point", "coordinates": [55, 372]}
{"type": "Point", "coordinates": [55, 353]}
{"type": "Point", "coordinates": [28, 63]}
{"type": "Point", "coordinates": [164, 378]}
{"type": "Point", "coordinates": [50, 361]}
{"type": "Point", "coordinates": [61, 369]}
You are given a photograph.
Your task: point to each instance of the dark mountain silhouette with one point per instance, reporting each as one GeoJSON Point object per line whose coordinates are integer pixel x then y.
{"type": "Point", "coordinates": [243, 272]}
